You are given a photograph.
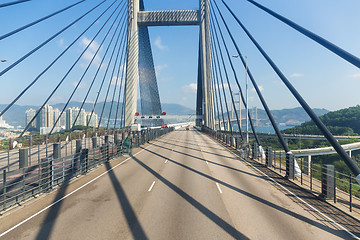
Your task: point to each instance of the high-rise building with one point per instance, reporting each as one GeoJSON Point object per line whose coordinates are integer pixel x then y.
{"type": "Point", "coordinates": [62, 121]}
{"type": "Point", "coordinates": [93, 122]}
{"type": "Point", "coordinates": [30, 114]}
{"type": "Point", "coordinates": [71, 115]}
{"type": "Point", "coordinates": [56, 116]}
{"type": "Point", "coordinates": [45, 119]}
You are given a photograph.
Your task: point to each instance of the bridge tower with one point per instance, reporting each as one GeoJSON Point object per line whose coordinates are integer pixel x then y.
{"type": "Point", "coordinates": [140, 65]}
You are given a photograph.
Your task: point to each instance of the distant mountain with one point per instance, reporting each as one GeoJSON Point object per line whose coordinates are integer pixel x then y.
{"type": "Point", "coordinates": [290, 117]}
{"type": "Point", "coordinates": [15, 116]}
{"type": "Point", "coordinates": [173, 108]}
{"type": "Point", "coordinates": [342, 122]}
{"type": "Point", "coordinates": [294, 116]}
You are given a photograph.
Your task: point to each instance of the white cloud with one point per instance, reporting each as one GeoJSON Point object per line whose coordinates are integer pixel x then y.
{"type": "Point", "coordinates": [296, 75]}
{"type": "Point", "coordinates": [159, 68]}
{"type": "Point", "coordinates": [261, 88]}
{"type": "Point", "coordinates": [82, 84]}
{"type": "Point", "coordinates": [90, 52]}
{"type": "Point", "coordinates": [61, 43]}
{"type": "Point", "coordinates": [158, 43]}
{"type": "Point", "coordinates": [355, 75]}
{"type": "Point", "coordinates": [190, 88]}
{"type": "Point", "coordinates": [94, 45]}
{"type": "Point", "coordinates": [88, 55]}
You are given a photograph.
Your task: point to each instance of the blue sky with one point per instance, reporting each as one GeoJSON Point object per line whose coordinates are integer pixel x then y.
{"type": "Point", "coordinates": [323, 79]}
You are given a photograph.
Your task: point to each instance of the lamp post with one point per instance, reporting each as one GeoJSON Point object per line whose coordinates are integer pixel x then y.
{"type": "Point", "coordinates": [247, 101]}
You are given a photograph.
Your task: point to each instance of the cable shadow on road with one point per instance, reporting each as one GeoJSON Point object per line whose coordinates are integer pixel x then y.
{"type": "Point", "coordinates": [177, 140]}
{"type": "Point", "coordinates": [212, 216]}
{"type": "Point", "coordinates": [195, 149]}
{"type": "Point", "coordinates": [331, 211]}
{"type": "Point", "coordinates": [132, 221]}
{"type": "Point", "coordinates": [201, 159]}
{"type": "Point", "coordinates": [321, 226]}
{"type": "Point", "coordinates": [324, 207]}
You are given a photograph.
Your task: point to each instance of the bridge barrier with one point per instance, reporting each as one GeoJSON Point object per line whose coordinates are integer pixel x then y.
{"type": "Point", "coordinates": [269, 157]}
{"type": "Point", "coordinates": [255, 151]}
{"type": "Point", "coordinates": [42, 146]}
{"type": "Point", "coordinates": [20, 184]}
{"type": "Point", "coordinates": [328, 182]}
{"type": "Point", "coordinates": [126, 146]}
{"type": "Point", "coordinates": [290, 166]}
{"type": "Point", "coordinates": [341, 190]}
{"type": "Point", "coordinates": [94, 142]}
{"type": "Point", "coordinates": [23, 158]}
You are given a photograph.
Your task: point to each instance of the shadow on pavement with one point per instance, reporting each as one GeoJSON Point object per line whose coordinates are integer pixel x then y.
{"type": "Point", "coordinates": [212, 216]}
{"type": "Point", "coordinates": [52, 214]}
{"type": "Point", "coordinates": [132, 221]}
{"type": "Point", "coordinates": [195, 149]}
{"type": "Point", "coordinates": [338, 233]}
{"type": "Point", "coordinates": [194, 141]}
{"type": "Point", "coordinates": [218, 164]}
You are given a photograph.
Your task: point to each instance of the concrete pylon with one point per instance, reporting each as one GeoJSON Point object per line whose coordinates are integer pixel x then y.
{"type": "Point", "coordinates": [139, 17]}
{"type": "Point", "coordinates": [132, 66]}
{"type": "Point", "coordinates": [206, 66]}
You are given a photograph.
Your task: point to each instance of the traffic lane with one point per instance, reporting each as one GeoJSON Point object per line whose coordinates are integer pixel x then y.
{"type": "Point", "coordinates": [255, 199]}
{"type": "Point", "coordinates": [79, 214]}
{"type": "Point", "coordinates": [198, 205]}
{"type": "Point", "coordinates": [182, 204]}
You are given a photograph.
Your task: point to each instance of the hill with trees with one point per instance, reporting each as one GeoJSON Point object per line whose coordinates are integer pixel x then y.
{"type": "Point", "coordinates": [342, 122]}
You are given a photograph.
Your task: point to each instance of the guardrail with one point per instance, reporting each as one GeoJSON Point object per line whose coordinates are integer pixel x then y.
{"type": "Point", "coordinates": [322, 180]}
{"type": "Point", "coordinates": [41, 146]}
{"type": "Point", "coordinates": [23, 183]}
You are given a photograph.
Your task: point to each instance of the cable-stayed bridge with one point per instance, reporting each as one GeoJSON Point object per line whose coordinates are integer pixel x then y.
{"type": "Point", "coordinates": [121, 173]}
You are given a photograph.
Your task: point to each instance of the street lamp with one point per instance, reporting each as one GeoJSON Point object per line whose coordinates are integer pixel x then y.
{"type": "Point", "coordinates": [247, 101]}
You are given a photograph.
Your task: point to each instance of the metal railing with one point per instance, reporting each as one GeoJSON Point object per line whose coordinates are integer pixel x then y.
{"type": "Point", "coordinates": [41, 146]}
{"type": "Point", "coordinates": [20, 184]}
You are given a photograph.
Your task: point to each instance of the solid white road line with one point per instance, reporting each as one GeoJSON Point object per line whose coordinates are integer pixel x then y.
{"type": "Point", "coordinates": [218, 186]}
{"type": "Point", "coordinates": [151, 186]}
{"type": "Point", "coordinates": [66, 196]}
{"type": "Point", "coordinates": [293, 194]}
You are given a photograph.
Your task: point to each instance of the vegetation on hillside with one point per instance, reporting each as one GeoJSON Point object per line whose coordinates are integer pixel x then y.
{"type": "Point", "coordinates": [345, 122]}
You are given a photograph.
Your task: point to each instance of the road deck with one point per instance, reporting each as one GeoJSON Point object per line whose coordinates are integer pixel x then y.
{"type": "Point", "coordinates": [182, 186]}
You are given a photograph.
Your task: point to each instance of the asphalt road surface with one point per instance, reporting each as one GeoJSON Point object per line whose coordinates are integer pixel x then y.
{"type": "Point", "coordinates": [182, 186]}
